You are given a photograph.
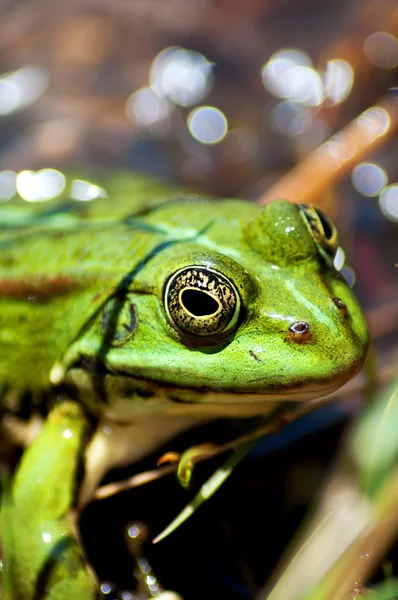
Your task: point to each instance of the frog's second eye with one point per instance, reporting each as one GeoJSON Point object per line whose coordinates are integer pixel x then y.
{"type": "Point", "coordinates": [201, 301]}
{"type": "Point", "coordinates": [322, 228]}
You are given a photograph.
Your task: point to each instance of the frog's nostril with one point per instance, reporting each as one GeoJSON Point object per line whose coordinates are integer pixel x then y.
{"type": "Point", "coordinates": [300, 327]}
{"type": "Point", "coordinates": [300, 331]}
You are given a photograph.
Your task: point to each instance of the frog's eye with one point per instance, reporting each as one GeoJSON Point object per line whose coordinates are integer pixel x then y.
{"type": "Point", "coordinates": [322, 228]}
{"type": "Point", "coordinates": [201, 301]}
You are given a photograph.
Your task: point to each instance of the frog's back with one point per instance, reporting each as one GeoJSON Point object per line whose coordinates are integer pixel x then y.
{"type": "Point", "coordinates": [61, 259]}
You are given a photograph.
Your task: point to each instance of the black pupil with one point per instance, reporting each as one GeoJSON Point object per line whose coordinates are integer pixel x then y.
{"type": "Point", "coordinates": [199, 303]}
{"type": "Point", "coordinates": [325, 224]}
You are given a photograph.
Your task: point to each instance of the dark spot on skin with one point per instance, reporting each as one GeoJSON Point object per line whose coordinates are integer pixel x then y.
{"type": "Point", "coordinates": [256, 358]}
{"type": "Point", "coordinates": [341, 305]}
{"type": "Point", "coordinates": [299, 331]}
{"type": "Point", "coordinates": [96, 297]}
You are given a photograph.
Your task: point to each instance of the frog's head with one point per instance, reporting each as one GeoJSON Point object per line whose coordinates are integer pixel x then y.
{"type": "Point", "coordinates": [265, 316]}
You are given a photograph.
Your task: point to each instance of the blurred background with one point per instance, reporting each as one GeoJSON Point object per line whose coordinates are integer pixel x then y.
{"type": "Point", "coordinates": [226, 97]}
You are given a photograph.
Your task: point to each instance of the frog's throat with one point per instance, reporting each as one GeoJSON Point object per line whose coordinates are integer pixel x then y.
{"type": "Point", "coordinates": [122, 397]}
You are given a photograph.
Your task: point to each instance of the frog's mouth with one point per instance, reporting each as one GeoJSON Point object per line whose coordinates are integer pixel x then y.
{"type": "Point", "coordinates": [123, 397]}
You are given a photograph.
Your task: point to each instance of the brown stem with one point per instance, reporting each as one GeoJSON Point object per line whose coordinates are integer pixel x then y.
{"type": "Point", "coordinates": [329, 163]}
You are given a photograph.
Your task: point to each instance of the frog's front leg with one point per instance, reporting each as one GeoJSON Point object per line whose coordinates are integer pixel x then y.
{"type": "Point", "coordinates": [42, 556]}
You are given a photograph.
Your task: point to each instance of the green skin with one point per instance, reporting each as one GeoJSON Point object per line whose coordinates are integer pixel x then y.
{"type": "Point", "coordinates": [83, 305]}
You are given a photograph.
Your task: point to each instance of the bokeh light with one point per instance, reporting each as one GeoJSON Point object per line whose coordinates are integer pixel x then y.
{"type": "Point", "coordinates": [339, 259]}
{"type": "Point", "coordinates": [127, 596]}
{"type": "Point", "coordinates": [22, 88]}
{"type": "Point", "coordinates": [388, 202]}
{"type": "Point", "coordinates": [84, 191]}
{"type": "Point", "coordinates": [9, 97]}
{"type": "Point", "coordinates": [145, 108]}
{"type": "Point", "coordinates": [381, 48]}
{"type": "Point", "coordinates": [337, 150]}
{"type": "Point", "coordinates": [369, 179]}
{"type": "Point", "coordinates": [374, 122]}
{"type": "Point", "coordinates": [8, 185]}
{"type": "Point", "coordinates": [207, 124]}
{"type": "Point", "coordinates": [106, 588]}
{"type": "Point", "coordinates": [303, 84]}
{"type": "Point", "coordinates": [183, 76]}
{"type": "Point", "coordinates": [289, 74]}
{"type": "Point", "coordinates": [278, 65]}
{"type": "Point", "coordinates": [349, 275]}
{"type": "Point", "coordinates": [290, 118]}
{"type": "Point", "coordinates": [46, 537]}
{"type": "Point", "coordinates": [338, 80]}
{"type": "Point", "coordinates": [41, 186]}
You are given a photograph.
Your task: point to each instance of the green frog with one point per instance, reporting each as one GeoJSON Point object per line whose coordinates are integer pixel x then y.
{"type": "Point", "coordinates": [135, 313]}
